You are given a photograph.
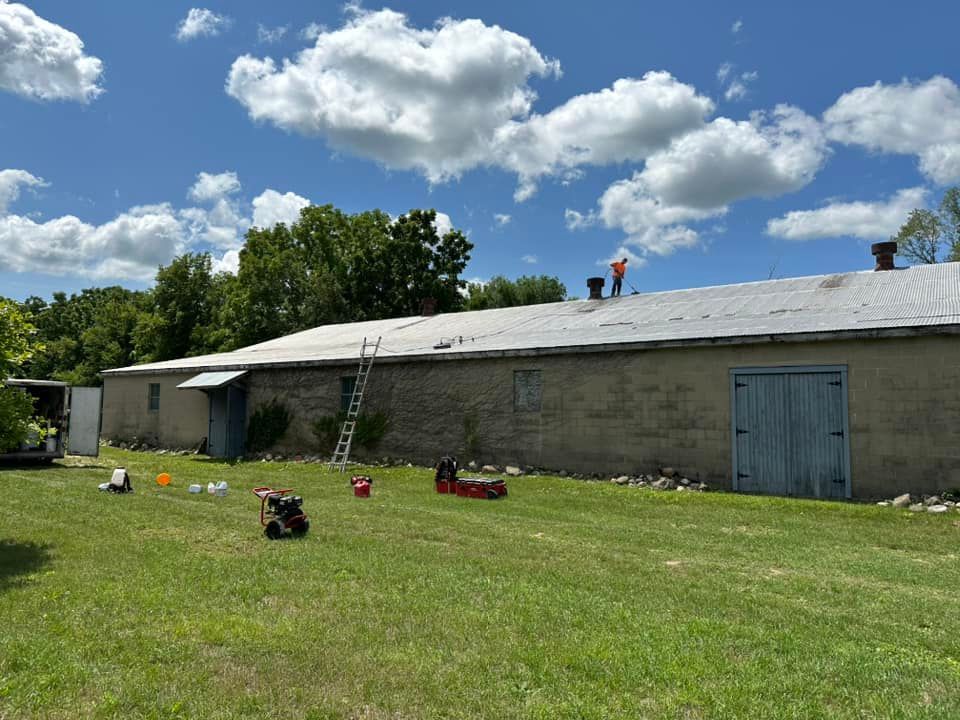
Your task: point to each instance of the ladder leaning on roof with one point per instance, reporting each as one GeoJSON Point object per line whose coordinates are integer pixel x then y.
{"type": "Point", "coordinates": [368, 351]}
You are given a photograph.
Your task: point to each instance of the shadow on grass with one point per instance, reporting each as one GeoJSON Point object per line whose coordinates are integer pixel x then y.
{"type": "Point", "coordinates": [20, 558]}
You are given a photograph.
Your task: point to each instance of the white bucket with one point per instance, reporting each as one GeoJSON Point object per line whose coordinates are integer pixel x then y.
{"type": "Point", "coordinates": [195, 489]}
{"type": "Point", "coordinates": [221, 488]}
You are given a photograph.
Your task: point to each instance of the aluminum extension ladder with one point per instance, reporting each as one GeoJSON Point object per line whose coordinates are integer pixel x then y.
{"type": "Point", "coordinates": [368, 351]}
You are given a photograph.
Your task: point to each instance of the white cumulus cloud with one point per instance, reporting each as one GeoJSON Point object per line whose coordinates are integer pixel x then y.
{"type": "Point", "coordinates": [213, 186]}
{"type": "Point", "coordinates": [502, 219]}
{"type": "Point", "coordinates": [223, 223]}
{"type": "Point", "coordinates": [201, 22]}
{"type": "Point", "coordinates": [272, 207]}
{"type": "Point", "coordinates": [130, 246]}
{"type": "Point", "coordinates": [865, 220]}
{"type": "Point", "coordinates": [576, 220]}
{"type": "Point", "coordinates": [909, 118]}
{"type": "Point", "coordinates": [426, 99]}
{"type": "Point", "coordinates": [530, 259]}
{"type": "Point", "coordinates": [457, 96]}
{"type": "Point", "coordinates": [312, 31]}
{"type": "Point", "coordinates": [43, 61]}
{"type": "Point", "coordinates": [443, 224]}
{"type": "Point", "coordinates": [133, 244]}
{"type": "Point", "coordinates": [628, 121]}
{"type": "Point", "coordinates": [229, 263]}
{"type": "Point", "coordinates": [702, 172]}
{"type": "Point", "coordinates": [737, 89]}
{"type": "Point", "coordinates": [10, 183]}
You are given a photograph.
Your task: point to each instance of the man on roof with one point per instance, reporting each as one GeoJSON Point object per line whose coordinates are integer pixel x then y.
{"type": "Point", "coordinates": [619, 270]}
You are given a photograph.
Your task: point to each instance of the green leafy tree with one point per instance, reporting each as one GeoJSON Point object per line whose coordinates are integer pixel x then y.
{"type": "Point", "coordinates": [84, 333]}
{"type": "Point", "coordinates": [330, 267]}
{"type": "Point", "coordinates": [16, 407]}
{"type": "Point", "coordinates": [526, 290]}
{"type": "Point", "coordinates": [932, 236]}
{"type": "Point", "coordinates": [181, 302]}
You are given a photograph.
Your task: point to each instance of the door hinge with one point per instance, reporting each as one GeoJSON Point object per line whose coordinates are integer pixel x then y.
{"type": "Point", "coordinates": [739, 384]}
{"type": "Point", "coordinates": [837, 383]}
{"type": "Point", "coordinates": [839, 433]}
{"type": "Point", "coordinates": [840, 481]}
{"type": "Point", "coordinates": [742, 432]}
{"type": "Point", "coordinates": [741, 475]}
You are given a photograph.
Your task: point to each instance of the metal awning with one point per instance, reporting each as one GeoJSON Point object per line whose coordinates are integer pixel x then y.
{"type": "Point", "coordinates": [24, 382]}
{"type": "Point", "coordinates": [211, 380]}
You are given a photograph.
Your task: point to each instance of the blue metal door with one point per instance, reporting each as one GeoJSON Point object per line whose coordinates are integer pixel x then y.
{"type": "Point", "coordinates": [236, 421]}
{"type": "Point", "coordinates": [217, 435]}
{"type": "Point", "coordinates": [790, 433]}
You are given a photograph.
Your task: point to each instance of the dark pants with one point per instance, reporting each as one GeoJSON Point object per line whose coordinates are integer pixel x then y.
{"type": "Point", "coordinates": [615, 290]}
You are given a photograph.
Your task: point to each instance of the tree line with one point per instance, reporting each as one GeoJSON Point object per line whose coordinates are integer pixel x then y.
{"type": "Point", "coordinates": [327, 267]}
{"type": "Point", "coordinates": [931, 236]}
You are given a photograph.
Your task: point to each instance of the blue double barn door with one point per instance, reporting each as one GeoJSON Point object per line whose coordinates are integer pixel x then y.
{"type": "Point", "coordinates": [790, 432]}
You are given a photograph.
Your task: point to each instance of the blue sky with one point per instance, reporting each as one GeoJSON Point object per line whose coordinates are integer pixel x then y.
{"type": "Point", "coordinates": [713, 142]}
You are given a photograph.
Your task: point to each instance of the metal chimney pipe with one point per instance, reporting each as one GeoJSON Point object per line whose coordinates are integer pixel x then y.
{"type": "Point", "coordinates": [596, 287]}
{"type": "Point", "coordinates": [884, 252]}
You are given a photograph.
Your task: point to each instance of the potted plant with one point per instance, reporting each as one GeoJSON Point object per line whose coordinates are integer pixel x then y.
{"type": "Point", "coordinates": [51, 439]}
{"type": "Point", "coordinates": [35, 435]}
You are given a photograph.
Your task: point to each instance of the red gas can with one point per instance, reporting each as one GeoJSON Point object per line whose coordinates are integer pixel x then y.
{"type": "Point", "coordinates": [361, 488]}
{"type": "Point", "coordinates": [361, 485]}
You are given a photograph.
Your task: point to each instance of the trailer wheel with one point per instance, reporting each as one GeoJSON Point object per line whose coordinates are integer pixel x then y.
{"type": "Point", "coordinates": [274, 530]}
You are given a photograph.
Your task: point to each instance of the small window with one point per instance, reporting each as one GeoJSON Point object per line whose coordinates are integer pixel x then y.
{"type": "Point", "coordinates": [154, 403]}
{"type": "Point", "coordinates": [347, 384]}
{"type": "Point", "coordinates": [527, 390]}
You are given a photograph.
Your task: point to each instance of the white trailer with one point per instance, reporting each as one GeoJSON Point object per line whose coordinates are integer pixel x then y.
{"type": "Point", "coordinates": [73, 412]}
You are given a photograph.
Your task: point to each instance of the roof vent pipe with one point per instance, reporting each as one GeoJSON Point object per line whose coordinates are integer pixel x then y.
{"type": "Point", "coordinates": [428, 307]}
{"type": "Point", "coordinates": [596, 287]}
{"type": "Point", "coordinates": [884, 252]}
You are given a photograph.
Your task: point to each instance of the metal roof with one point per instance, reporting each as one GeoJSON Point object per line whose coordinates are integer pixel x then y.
{"type": "Point", "coordinates": [211, 380]}
{"type": "Point", "coordinates": [25, 382]}
{"type": "Point", "coordinates": [925, 298]}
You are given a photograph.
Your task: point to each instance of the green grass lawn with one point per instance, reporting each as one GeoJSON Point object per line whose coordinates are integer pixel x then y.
{"type": "Point", "coordinates": [565, 600]}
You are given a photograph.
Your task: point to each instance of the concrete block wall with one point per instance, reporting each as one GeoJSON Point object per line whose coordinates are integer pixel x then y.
{"type": "Point", "coordinates": [181, 421]}
{"type": "Point", "coordinates": [614, 412]}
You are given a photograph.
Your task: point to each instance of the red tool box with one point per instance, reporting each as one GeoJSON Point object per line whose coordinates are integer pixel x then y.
{"type": "Point", "coordinates": [484, 488]}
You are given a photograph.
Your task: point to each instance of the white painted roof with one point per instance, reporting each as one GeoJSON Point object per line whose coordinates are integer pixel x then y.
{"type": "Point", "coordinates": [922, 297]}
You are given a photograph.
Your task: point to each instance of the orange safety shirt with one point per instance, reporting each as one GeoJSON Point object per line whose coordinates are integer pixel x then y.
{"type": "Point", "coordinates": [619, 269]}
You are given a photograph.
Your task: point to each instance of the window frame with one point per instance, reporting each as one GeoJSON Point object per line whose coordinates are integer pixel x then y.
{"type": "Point", "coordinates": [528, 372]}
{"type": "Point", "coordinates": [151, 397]}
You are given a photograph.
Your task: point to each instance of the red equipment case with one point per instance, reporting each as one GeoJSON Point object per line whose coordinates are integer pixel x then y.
{"type": "Point", "coordinates": [447, 486]}
{"type": "Point", "coordinates": [484, 488]}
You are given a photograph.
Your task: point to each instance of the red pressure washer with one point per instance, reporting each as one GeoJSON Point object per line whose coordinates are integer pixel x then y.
{"type": "Point", "coordinates": [287, 516]}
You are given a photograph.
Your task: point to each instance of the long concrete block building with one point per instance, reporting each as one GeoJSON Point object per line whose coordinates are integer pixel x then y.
{"type": "Point", "coordinates": [832, 386]}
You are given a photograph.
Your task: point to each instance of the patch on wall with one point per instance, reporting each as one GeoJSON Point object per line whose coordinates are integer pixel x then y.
{"type": "Point", "coordinates": [527, 390]}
